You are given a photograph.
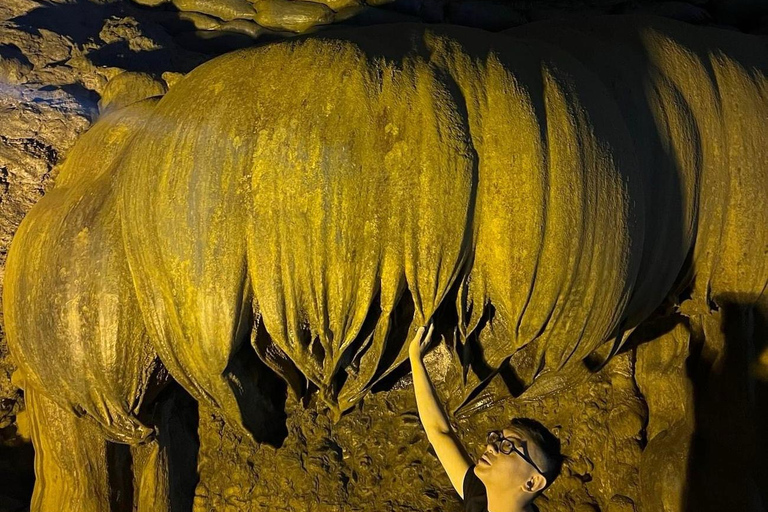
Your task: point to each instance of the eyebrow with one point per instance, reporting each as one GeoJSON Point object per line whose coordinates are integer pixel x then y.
{"type": "Point", "coordinates": [515, 434]}
{"type": "Point", "coordinates": [524, 442]}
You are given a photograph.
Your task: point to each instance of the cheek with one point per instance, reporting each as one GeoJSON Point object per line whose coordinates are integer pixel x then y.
{"type": "Point", "coordinates": [502, 472]}
{"type": "Point", "coordinates": [507, 469]}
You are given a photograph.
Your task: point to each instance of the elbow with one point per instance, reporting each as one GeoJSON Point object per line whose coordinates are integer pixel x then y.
{"type": "Point", "coordinates": [436, 430]}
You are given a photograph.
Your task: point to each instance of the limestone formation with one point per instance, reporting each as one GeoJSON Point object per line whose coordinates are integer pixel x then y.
{"type": "Point", "coordinates": [330, 256]}
{"type": "Point", "coordinates": [226, 10]}
{"type": "Point", "coordinates": [72, 310]}
{"type": "Point", "coordinates": [302, 207]}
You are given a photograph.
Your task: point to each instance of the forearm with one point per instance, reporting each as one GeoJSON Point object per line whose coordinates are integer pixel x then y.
{"type": "Point", "coordinates": [431, 413]}
{"type": "Point", "coordinates": [443, 439]}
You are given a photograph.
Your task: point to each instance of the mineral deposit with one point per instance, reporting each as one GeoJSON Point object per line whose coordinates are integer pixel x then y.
{"type": "Point", "coordinates": [572, 202]}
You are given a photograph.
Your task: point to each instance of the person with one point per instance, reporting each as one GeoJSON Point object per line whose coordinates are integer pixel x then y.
{"type": "Point", "coordinates": [519, 461]}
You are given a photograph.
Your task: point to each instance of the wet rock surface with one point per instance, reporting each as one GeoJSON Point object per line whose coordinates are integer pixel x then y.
{"type": "Point", "coordinates": [631, 431]}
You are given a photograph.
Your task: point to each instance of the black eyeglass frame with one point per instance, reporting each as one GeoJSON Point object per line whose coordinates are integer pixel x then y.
{"type": "Point", "coordinates": [498, 443]}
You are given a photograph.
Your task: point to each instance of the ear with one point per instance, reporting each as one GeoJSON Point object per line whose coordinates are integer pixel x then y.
{"type": "Point", "coordinates": [534, 484]}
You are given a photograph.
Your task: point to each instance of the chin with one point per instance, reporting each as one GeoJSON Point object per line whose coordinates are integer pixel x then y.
{"type": "Point", "coordinates": [483, 475]}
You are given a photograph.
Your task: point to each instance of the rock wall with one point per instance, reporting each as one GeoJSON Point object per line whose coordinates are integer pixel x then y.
{"type": "Point", "coordinates": [636, 432]}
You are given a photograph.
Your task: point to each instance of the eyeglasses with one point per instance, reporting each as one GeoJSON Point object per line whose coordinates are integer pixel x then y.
{"type": "Point", "coordinates": [506, 446]}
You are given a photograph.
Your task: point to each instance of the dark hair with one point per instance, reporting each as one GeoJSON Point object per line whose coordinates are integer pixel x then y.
{"type": "Point", "coordinates": [547, 443]}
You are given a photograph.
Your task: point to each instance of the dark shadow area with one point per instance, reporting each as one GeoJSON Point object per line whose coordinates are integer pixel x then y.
{"type": "Point", "coordinates": [726, 465]}
{"type": "Point", "coordinates": [81, 22]}
{"type": "Point", "coordinates": [86, 97]}
{"type": "Point", "coordinates": [654, 327]}
{"type": "Point", "coordinates": [400, 324]}
{"type": "Point", "coordinates": [428, 12]}
{"type": "Point", "coordinates": [269, 353]}
{"type": "Point", "coordinates": [171, 456]}
{"type": "Point", "coordinates": [177, 421]}
{"type": "Point", "coordinates": [758, 371]}
{"type": "Point", "coordinates": [173, 413]}
{"type": "Point", "coordinates": [120, 475]}
{"type": "Point", "coordinates": [11, 51]}
{"type": "Point", "coordinates": [87, 22]}
{"type": "Point", "coordinates": [472, 352]}
{"type": "Point", "coordinates": [216, 42]}
{"type": "Point", "coordinates": [744, 14]}
{"type": "Point", "coordinates": [17, 472]}
{"type": "Point", "coordinates": [119, 54]}
{"type": "Point", "coordinates": [260, 394]}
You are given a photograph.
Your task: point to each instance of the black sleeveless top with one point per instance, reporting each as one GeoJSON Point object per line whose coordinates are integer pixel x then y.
{"type": "Point", "coordinates": [475, 496]}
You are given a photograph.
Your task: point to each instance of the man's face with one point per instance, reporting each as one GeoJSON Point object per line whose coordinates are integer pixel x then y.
{"type": "Point", "coordinates": [498, 470]}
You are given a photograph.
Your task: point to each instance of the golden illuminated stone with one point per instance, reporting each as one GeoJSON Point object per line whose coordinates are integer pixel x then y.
{"type": "Point", "coordinates": [318, 200]}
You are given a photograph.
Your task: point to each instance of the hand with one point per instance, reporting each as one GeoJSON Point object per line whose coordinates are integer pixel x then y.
{"type": "Point", "coordinates": [420, 342]}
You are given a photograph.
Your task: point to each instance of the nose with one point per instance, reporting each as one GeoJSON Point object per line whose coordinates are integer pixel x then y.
{"type": "Point", "coordinates": [491, 448]}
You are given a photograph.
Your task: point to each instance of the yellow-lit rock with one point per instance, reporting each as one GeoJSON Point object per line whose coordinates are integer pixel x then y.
{"type": "Point", "coordinates": [291, 15]}
{"type": "Point", "coordinates": [70, 309]}
{"type": "Point", "coordinates": [542, 191]}
{"type": "Point", "coordinates": [129, 87]}
{"type": "Point", "coordinates": [393, 170]}
{"type": "Point", "coordinates": [223, 9]}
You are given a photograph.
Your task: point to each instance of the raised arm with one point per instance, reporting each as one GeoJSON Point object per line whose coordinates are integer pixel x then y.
{"type": "Point", "coordinates": [443, 439]}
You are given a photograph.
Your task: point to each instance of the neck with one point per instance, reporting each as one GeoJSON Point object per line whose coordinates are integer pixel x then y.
{"type": "Point", "coordinates": [508, 500]}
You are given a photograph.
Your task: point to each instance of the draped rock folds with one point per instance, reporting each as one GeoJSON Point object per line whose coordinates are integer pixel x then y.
{"type": "Point", "coordinates": [372, 201]}
{"type": "Point", "coordinates": [70, 308]}
{"type": "Point", "coordinates": [331, 188]}
{"type": "Point", "coordinates": [317, 200]}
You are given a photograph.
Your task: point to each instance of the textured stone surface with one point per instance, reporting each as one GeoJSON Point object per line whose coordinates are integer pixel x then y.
{"type": "Point", "coordinates": [618, 425]}
{"type": "Point", "coordinates": [377, 456]}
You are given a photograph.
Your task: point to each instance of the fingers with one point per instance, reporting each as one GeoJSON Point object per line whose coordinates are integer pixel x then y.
{"type": "Point", "coordinates": [418, 336]}
{"type": "Point", "coordinates": [424, 340]}
{"type": "Point", "coordinates": [416, 341]}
